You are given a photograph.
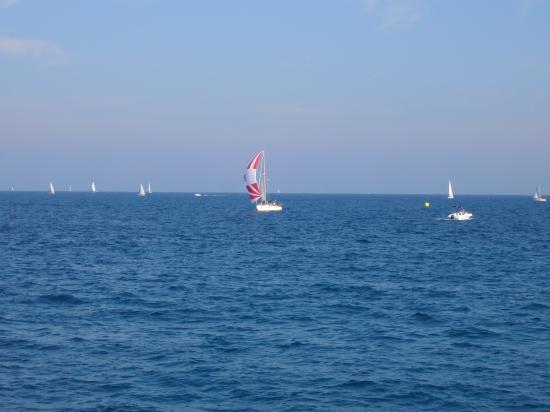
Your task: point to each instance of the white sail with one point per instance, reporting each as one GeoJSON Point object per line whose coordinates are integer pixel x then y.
{"type": "Point", "coordinates": [451, 195]}
{"type": "Point", "coordinates": [51, 191]}
{"type": "Point", "coordinates": [141, 190]}
{"type": "Point", "coordinates": [149, 189]}
{"type": "Point", "coordinates": [93, 187]}
{"type": "Point", "coordinates": [70, 188]}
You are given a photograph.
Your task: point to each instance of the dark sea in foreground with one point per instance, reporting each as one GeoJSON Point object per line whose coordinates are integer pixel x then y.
{"type": "Point", "coordinates": [112, 302]}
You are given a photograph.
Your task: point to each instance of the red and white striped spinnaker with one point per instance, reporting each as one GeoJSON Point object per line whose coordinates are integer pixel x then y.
{"type": "Point", "coordinates": [250, 178]}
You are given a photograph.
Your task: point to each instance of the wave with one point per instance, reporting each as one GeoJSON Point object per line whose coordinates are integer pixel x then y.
{"type": "Point", "coordinates": [536, 306]}
{"type": "Point", "coordinates": [61, 298]}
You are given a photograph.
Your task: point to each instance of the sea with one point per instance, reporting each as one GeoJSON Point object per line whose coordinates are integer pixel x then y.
{"type": "Point", "coordinates": [171, 302]}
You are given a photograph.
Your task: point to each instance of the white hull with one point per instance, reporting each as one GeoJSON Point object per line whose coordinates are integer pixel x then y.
{"type": "Point", "coordinates": [269, 207]}
{"type": "Point", "coordinates": [460, 216]}
{"type": "Point", "coordinates": [198, 195]}
{"type": "Point", "coordinates": [537, 197]}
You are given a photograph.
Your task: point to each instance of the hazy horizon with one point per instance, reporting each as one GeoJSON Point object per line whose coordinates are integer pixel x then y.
{"type": "Point", "coordinates": [350, 96]}
{"type": "Point", "coordinates": [272, 194]}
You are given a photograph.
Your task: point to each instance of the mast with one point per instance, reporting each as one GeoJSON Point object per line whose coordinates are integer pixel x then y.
{"type": "Point", "coordinates": [264, 181]}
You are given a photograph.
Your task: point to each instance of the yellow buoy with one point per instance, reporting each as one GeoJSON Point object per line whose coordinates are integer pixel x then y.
{"type": "Point", "coordinates": [426, 204]}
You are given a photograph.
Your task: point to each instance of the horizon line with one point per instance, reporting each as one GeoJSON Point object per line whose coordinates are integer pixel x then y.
{"type": "Point", "coordinates": [274, 194]}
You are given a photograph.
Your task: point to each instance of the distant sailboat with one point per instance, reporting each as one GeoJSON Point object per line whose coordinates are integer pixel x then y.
{"type": "Point", "coordinates": [141, 190]}
{"type": "Point", "coordinates": [149, 189]}
{"type": "Point", "coordinates": [258, 191]}
{"type": "Point", "coordinates": [93, 187]}
{"type": "Point", "coordinates": [451, 195]}
{"type": "Point", "coordinates": [51, 191]}
{"type": "Point", "coordinates": [538, 196]}
{"type": "Point", "coordinates": [13, 189]}
{"type": "Point", "coordinates": [70, 188]}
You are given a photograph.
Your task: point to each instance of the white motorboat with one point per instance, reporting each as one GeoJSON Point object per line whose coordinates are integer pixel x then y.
{"type": "Point", "coordinates": [198, 195]}
{"type": "Point", "coordinates": [537, 197]}
{"type": "Point", "coordinates": [257, 191]}
{"type": "Point", "coordinates": [460, 215]}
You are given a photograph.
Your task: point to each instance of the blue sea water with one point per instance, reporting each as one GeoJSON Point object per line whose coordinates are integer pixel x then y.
{"type": "Point", "coordinates": [171, 302]}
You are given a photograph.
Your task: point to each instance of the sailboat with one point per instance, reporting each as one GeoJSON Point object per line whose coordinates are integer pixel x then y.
{"type": "Point", "coordinates": [93, 187]}
{"type": "Point", "coordinates": [149, 189]}
{"type": "Point", "coordinates": [51, 191]}
{"type": "Point", "coordinates": [258, 191]}
{"type": "Point", "coordinates": [70, 188]}
{"type": "Point", "coordinates": [538, 196]}
{"type": "Point", "coordinates": [451, 195]}
{"type": "Point", "coordinates": [141, 190]}
{"type": "Point", "coordinates": [13, 189]}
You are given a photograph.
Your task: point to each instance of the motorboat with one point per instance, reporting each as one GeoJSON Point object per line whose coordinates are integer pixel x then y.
{"type": "Point", "coordinates": [460, 215]}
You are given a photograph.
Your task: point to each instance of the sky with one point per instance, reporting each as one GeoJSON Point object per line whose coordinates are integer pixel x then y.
{"type": "Point", "coordinates": [345, 96]}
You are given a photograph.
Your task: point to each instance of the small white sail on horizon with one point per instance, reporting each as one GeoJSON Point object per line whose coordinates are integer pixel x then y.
{"type": "Point", "coordinates": [257, 191]}
{"type": "Point", "coordinates": [70, 188]}
{"type": "Point", "coordinates": [93, 187]}
{"type": "Point", "coordinates": [149, 189]}
{"type": "Point", "coordinates": [51, 190]}
{"type": "Point", "coordinates": [141, 190]}
{"type": "Point", "coordinates": [451, 194]}
{"type": "Point", "coordinates": [538, 197]}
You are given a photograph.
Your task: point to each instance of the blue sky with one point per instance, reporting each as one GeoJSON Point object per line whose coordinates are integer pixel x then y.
{"type": "Point", "coordinates": [361, 96]}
